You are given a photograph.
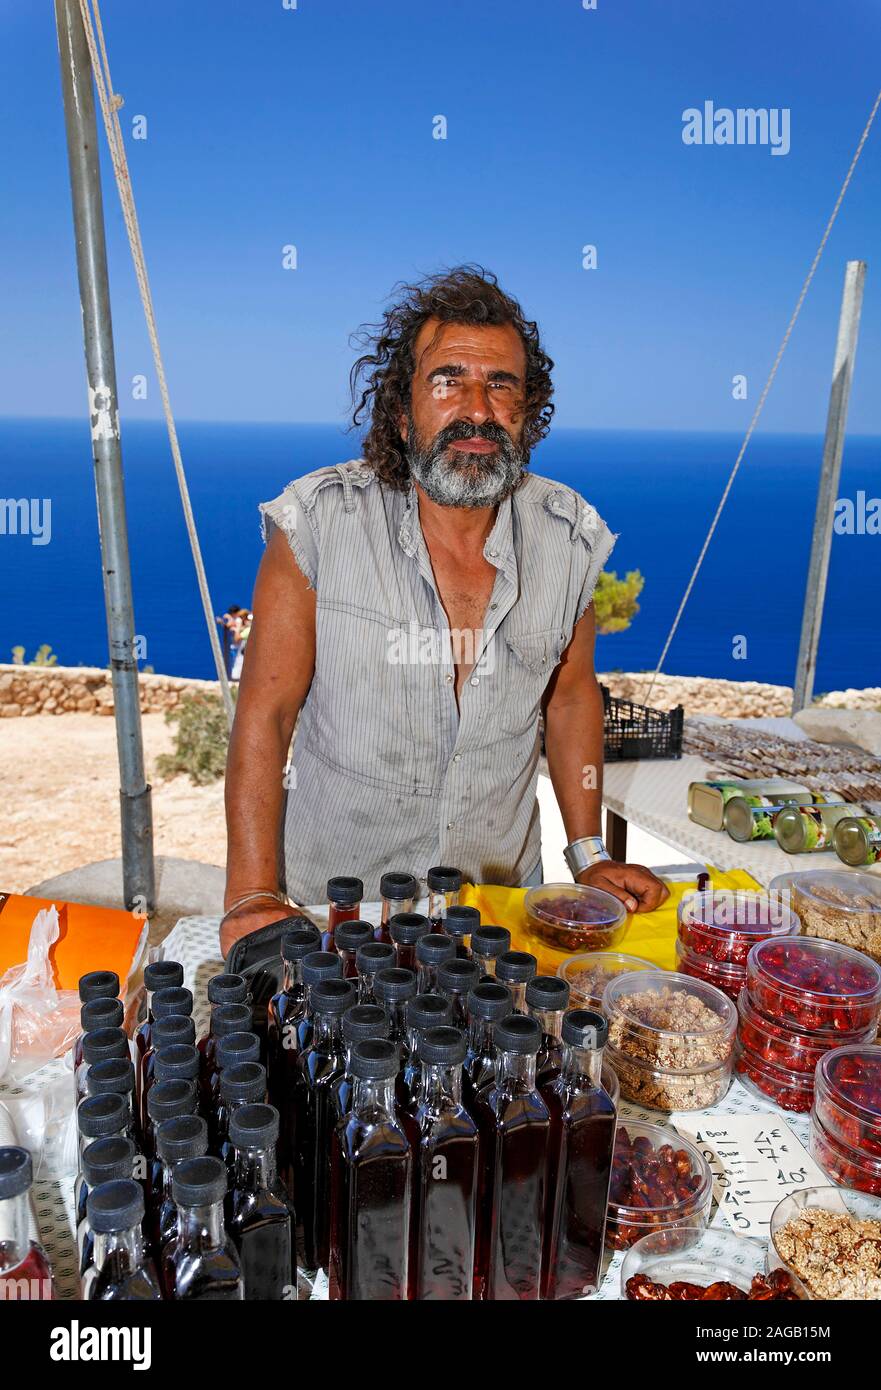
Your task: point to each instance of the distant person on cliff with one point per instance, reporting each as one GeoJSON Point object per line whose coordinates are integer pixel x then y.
{"type": "Point", "coordinates": [235, 622]}
{"type": "Point", "coordinates": [415, 611]}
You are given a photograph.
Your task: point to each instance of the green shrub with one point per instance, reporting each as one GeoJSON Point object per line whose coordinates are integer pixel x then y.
{"type": "Point", "coordinates": [615, 600]}
{"type": "Point", "coordinates": [200, 742]}
{"type": "Point", "coordinates": [44, 657]}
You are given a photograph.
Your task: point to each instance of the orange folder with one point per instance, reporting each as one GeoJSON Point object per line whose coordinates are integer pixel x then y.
{"type": "Point", "coordinates": [92, 938]}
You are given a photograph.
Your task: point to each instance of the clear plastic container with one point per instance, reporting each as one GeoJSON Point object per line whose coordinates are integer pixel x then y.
{"type": "Point", "coordinates": [575, 917]}
{"type": "Point", "coordinates": [790, 1049]}
{"type": "Point", "coordinates": [725, 924]}
{"type": "Point", "coordinates": [846, 1165]}
{"type": "Point", "coordinates": [847, 1097]}
{"type": "Point", "coordinates": [695, 1255]}
{"type": "Point", "coordinates": [729, 978]}
{"type": "Point", "coordinates": [837, 905]}
{"type": "Point", "coordinates": [588, 973]}
{"type": "Point", "coordinates": [814, 986]}
{"type": "Point", "coordinates": [787, 1090]}
{"type": "Point", "coordinates": [659, 1182]}
{"type": "Point", "coordinates": [843, 1201]}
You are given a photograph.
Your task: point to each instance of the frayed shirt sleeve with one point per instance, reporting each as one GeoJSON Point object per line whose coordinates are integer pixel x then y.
{"type": "Point", "coordinates": [288, 514]}
{"type": "Point", "coordinates": [598, 540]}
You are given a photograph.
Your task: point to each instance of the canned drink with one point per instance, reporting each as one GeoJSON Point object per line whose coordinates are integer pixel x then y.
{"type": "Point", "coordinates": [707, 800]}
{"type": "Point", "coordinates": [857, 840]}
{"type": "Point", "coordinates": [803, 829]}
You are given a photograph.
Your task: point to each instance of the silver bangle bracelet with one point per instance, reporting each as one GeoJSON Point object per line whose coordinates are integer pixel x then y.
{"type": "Point", "coordinates": [584, 852]}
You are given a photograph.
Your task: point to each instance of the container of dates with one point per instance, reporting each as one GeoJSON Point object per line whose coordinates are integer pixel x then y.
{"type": "Point", "coordinates": [701, 1265]}
{"type": "Point", "coordinates": [656, 1184]}
{"type": "Point", "coordinates": [846, 1118]}
{"type": "Point", "coordinates": [716, 931]}
{"type": "Point", "coordinates": [575, 917]}
{"type": "Point", "coordinates": [588, 973]}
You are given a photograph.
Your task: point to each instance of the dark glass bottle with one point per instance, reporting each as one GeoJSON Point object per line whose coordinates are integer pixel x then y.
{"type": "Point", "coordinates": [515, 969]}
{"type": "Point", "coordinates": [25, 1272]}
{"type": "Point", "coordinates": [392, 989]}
{"type": "Point", "coordinates": [167, 1100]}
{"type": "Point", "coordinates": [259, 1214]}
{"type": "Point", "coordinates": [369, 960]}
{"type": "Point", "coordinates": [322, 1062]}
{"type": "Point", "coordinates": [424, 1011]}
{"type": "Point", "coordinates": [344, 897]}
{"type": "Point", "coordinates": [431, 951]}
{"type": "Point", "coordinates": [487, 944]}
{"type": "Point", "coordinates": [547, 999]}
{"type": "Point", "coordinates": [103, 1012]}
{"type": "Point", "coordinates": [443, 893]}
{"type": "Point", "coordinates": [459, 924]}
{"type": "Point", "coordinates": [231, 1049]}
{"type": "Point", "coordinates": [168, 1031]}
{"type": "Point", "coordinates": [167, 1002]}
{"type": "Point", "coordinates": [285, 1010]}
{"type": "Point", "coordinates": [317, 967]}
{"type": "Point", "coordinates": [222, 990]}
{"type": "Point", "coordinates": [455, 979]}
{"type": "Point", "coordinates": [158, 975]}
{"type": "Point", "coordinates": [115, 1076]}
{"type": "Point", "coordinates": [121, 1269]}
{"type": "Point", "coordinates": [201, 1263]}
{"type": "Point", "coordinates": [514, 1128]}
{"type": "Point", "coordinates": [225, 1019]}
{"type": "Point", "coordinates": [98, 1045]}
{"type": "Point", "coordinates": [182, 1136]}
{"type": "Point", "coordinates": [360, 1022]}
{"type": "Point", "coordinates": [580, 1151]}
{"type": "Point", "coordinates": [100, 1117]}
{"type": "Point", "coordinates": [176, 1062]}
{"type": "Point", "coordinates": [242, 1084]}
{"type": "Point", "coordinates": [371, 1185]}
{"type": "Point", "coordinates": [398, 893]}
{"type": "Point", "coordinates": [104, 1160]}
{"type": "Point", "coordinates": [405, 930]}
{"type": "Point", "coordinates": [349, 937]}
{"type": "Point", "coordinates": [488, 1003]}
{"type": "Point", "coordinates": [445, 1175]}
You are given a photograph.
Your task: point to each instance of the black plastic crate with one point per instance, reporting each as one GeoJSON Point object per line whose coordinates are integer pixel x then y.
{"type": "Point", "coordinates": [635, 731]}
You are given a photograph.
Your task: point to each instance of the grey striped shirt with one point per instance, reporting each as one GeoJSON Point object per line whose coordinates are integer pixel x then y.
{"type": "Point", "coordinates": [387, 771]}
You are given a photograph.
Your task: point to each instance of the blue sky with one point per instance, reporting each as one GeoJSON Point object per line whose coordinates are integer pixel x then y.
{"type": "Point", "coordinates": [267, 126]}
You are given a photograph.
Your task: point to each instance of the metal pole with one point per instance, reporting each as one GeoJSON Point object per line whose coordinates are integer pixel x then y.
{"type": "Point", "coordinates": [91, 256]}
{"type": "Point", "coordinates": [833, 447]}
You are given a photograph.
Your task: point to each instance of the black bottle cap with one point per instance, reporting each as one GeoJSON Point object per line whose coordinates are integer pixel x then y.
{"type": "Point", "coordinates": [173, 1028]}
{"type": "Point", "coordinates": [547, 992]}
{"type": "Point", "coordinates": [461, 921]}
{"type": "Point", "coordinates": [298, 942]}
{"type": "Point", "coordinates": [516, 967]}
{"type": "Point", "coordinates": [230, 1018]}
{"type": "Point", "coordinates": [443, 1046]}
{"type": "Point", "coordinates": [376, 955]}
{"type": "Point", "coordinates": [183, 1136]}
{"type": "Point", "coordinates": [104, 1042]}
{"type": "Point", "coordinates": [163, 974]}
{"type": "Point", "coordinates": [172, 1001]}
{"type": "Point", "coordinates": [104, 1012]}
{"type": "Point", "coordinates": [398, 887]}
{"type": "Point", "coordinates": [199, 1182]}
{"type": "Point", "coordinates": [375, 1059]}
{"type": "Point", "coordinates": [350, 936]}
{"type": "Point", "coordinates": [176, 1060]}
{"type": "Point", "coordinates": [333, 997]}
{"type": "Point", "coordinates": [518, 1033]}
{"type": "Point", "coordinates": [457, 976]}
{"type": "Point", "coordinates": [237, 1047]}
{"type": "Point", "coordinates": [100, 1115]}
{"type": "Point", "coordinates": [321, 965]}
{"type": "Point", "coordinates": [442, 879]}
{"type": "Point", "coordinates": [115, 1206]}
{"type": "Point", "coordinates": [243, 1081]}
{"type": "Point", "coordinates": [165, 1099]}
{"type": "Point", "coordinates": [104, 1160]}
{"type": "Point", "coordinates": [227, 989]}
{"type": "Point", "coordinates": [16, 1171]}
{"type": "Point", "coordinates": [490, 1001]}
{"type": "Point", "coordinates": [98, 984]}
{"type": "Point", "coordinates": [254, 1127]}
{"type": "Point", "coordinates": [490, 941]}
{"type": "Point", "coordinates": [115, 1075]}
{"type": "Point", "coordinates": [405, 928]}
{"type": "Point", "coordinates": [585, 1028]}
{"type": "Point", "coordinates": [365, 1021]}
{"type": "Point", "coordinates": [435, 948]}
{"type": "Point", "coordinates": [394, 985]}
{"type": "Point", "coordinates": [344, 891]}
{"type": "Point", "coordinates": [429, 1011]}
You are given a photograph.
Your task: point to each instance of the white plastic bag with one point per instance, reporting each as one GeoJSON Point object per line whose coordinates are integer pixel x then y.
{"type": "Point", "coordinates": [37, 1021]}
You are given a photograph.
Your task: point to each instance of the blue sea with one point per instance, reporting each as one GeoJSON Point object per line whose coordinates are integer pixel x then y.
{"type": "Point", "coordinates": [657, 490]}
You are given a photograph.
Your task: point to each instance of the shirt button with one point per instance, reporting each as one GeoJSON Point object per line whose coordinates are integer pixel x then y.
{"type": "Point", "coordinates": [494, 605]}
{"type": "Point", "coordinates": [475, 680]}
{"type": "Point", "coordinates": [450, 824]}
{"type": "Point", "coordinates": [493, 554]}
{"type": "Point", "coordinates": [449, 679]}
{"type": "Point", "coordinates": [457, 757]}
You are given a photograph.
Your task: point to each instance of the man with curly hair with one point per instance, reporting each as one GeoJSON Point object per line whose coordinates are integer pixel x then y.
{"type": "Point", "coordinates": [416, 610]}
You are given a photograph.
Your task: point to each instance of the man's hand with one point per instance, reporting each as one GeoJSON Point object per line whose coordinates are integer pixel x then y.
{"type": "Point", "coordinates": [249, 917]}
{"type": "Point", "coordinates": [637, 887]}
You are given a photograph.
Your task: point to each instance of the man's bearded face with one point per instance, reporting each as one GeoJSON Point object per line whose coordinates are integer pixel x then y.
{"type": "Point", "coordinates": [481, 476]}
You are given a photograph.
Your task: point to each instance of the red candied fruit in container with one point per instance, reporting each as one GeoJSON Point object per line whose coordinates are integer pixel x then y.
{"type": "Point", "coordinates": [847, 1166]}
{"type": "Point", "coordinates": [789, 1090]}
{"type": "Point", "coordinates": [848, 1098]}
{"type": "Point", "coordinates": [728, 978]}
{"type": "Point", "coordinates": [724, 925]}
{"type": "Point", "coordinates": [791, 1049]}
{"type": "Point", "coordinates": [813, 985]}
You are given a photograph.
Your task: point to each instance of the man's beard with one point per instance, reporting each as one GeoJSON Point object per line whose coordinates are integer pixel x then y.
{"type": "Point", "coordinates": [455, 479]}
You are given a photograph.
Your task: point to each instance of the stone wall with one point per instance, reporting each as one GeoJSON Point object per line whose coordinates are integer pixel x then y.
{"type": "Point", "coordinates": [731, 699]}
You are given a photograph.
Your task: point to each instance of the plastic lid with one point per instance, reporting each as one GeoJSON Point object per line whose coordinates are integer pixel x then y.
{"type": "Point", "coordinates": [227, 989]}
{"type": "Point", "coordinates": [405, 928]}
{"type": "Point", "coordinates": [173, 1028]}
{"type": "Point", "coordinates": [107, 1159]}
{"type": "Point", "coordinates": [442, 1047]}
{"type": "Point", "coordinates": [398, 886]}
{"type": "Point", "coordinates": [16, 1171]}
{"type": "Point", "coordinates": [100, 1115]}
{"type": "Point", "coordinates": [104, 1042]}
{"type": "Point", "coordinates": [585, 1028]}
{"type": "Point", "coordinates": [115, 1206]}
{"type": "Point", "coordinates": [344, 891]}
{"type": "Point", "coordinates": [548, 993]}
{"type": "Point", "coordinates": [429, 1011]}
{"type": "Point", "coordinates": [516, 967]}
{"type": "Point", "coordinates": [104, 1012]}
{"type": "Point", "coordinates": [574, 905]}
{"type": "Point", "coordinates": [375, 1059]}
{"type": "Point", "coordinates": [178, 1059]}
{"type": "Point", "coordinates": [349, 936]}
{"type": "Point", "coordinates": [321, 965]}
{"type": "Point", "coordinates": [715, 913]}
{"type": "Point", "coordinates": [163, 974]}
{"type": "Point", "coordinates": [237, 1047]}
{"type": "Point", "coordinates": [487, 940]}
{"type": "Point", "coordinates": [243, 1081]}
{"type": "Point", "coordinates": [168, 1098]}
{"type": "Point", "coordinates": [461, 921]}
{"type": "Point", "coordinates": [365, 1021]}
{"type": "Point", "coordinates": [115, 1075]}
{"type": "Point", "coordinates": [442, 879]}
{"type": "Point", "coordinates": [830, 891]}
{"type": "Point", "coordinates": [199, 1182]}
{"type": "Point", "coordinates": [457, 976]}
{"type": "Point", "coordinates": [183, 1136]}
{"type": "Point", "coordinates": [435, 948]}
{"type": "Point", "coordinates": [300, 941]}
{"type": "Point", "coordinates": [518, 1033]}
{"type": "Point", "coordinates": [230, 1018]}
{"type": "Point", "coordinates": [490, 1001]}
{"type": "Point", "coordinates": [172, 1001]}
{"type": "Point", "coordinates": [333, 997]}
{"type": "Point", "coordinates": [394, 985]}
{"type": "Point", "coordinates": [98, 984]}
{"type": "Point", "coordinates": [376, 955]}
{"type": "Point", "coordinates": [807, 967]}
{"type": "Point", "coordinates": [254, 1127]}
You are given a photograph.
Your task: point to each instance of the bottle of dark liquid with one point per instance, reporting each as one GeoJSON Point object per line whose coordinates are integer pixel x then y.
{"type": "Point", "coordinates": [432, 951]}
{"type": "Point", "coordinates": [488, 1003]}
{"type": "Point", "coordinates": [445, 1174]}
{"type": "Point", "coordinates": [369, 960]}
{"type": "Point", "coordinates": [25, 1272]}
{"type": "Point", "coordinates": [225, 1019]}
{"type": "Point", "coordinates": [317, 967]}
{"type": "Point", "coordinates": [176, 1062]}
{"type": "Point", "coordinates": [443, 893]}
{"type": "Point", "coordinates": [514, 1127]}
{"type": "Point", "coordinates": [242, 1084]}
{"type": "Point", "coordinates": [184, 1136]}
{"type": "Point", "coordinates": [392, 989]}
{"type": "Point", "coordinates": [167, 1100]}
{"type": "Point", "coordinates": [405, 929]}
{"type": "Point", "coordinates": [98, 1045]}
{"type": "Point", "coordinates": [580, 1150]}
{"type": "Point", "coordinates": [349, 937]}
{"type": "Point", "coordinates": [360, 1022]}
{"type": "Point", "coordinates": [100, 1117]}
{"type": "Point", "coordinates": [456, 978]}
{"type": "Point", "coordinates": [95, 1013]}
{"type": "Point", "coordinates": [344, 897]}
{"type": "Point", "coordinates": [104, 1160]}
{"type": "Point", "coordinates": [398, 893]}
{"type": "Point", "coordinates": [422, 1012]}
{"type": "Point", "coordinates": [487, 944]}
{"type": "Point", "coordinates": [371, 1184]}
{"type": "Point", "coordinates": [515, 969]}
{"type": "Point", "coordinates": [168, 1031]}
{"type": "Point", "coordinates": [459, 923]}
{"type": "Point", "coordinates": [322, 1062]}
{"type": "Point", "coordinates": [231, 1049]}
{"type": "Point", "coordinates": [115, 1076]}
{"type": "Point", "coordinates": [547, 999]}
{"type": "Point", "coordinates": [167, 1002]}
{"type": "Point", "coordinates": [121, 1269]}
{"type": "Point", "coordinates": [201, 1263]}
{"type": "Point", "coordinates": [260, 1216]}
{"type": "Point", "coordinates": [285, 1010]}
{"type": "Point", "coordinates": [222, 989]}
{"type": "Point", "coordinates": [159, 974]}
